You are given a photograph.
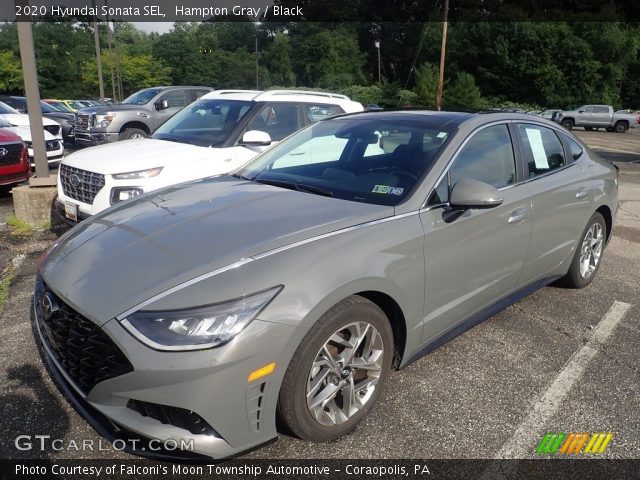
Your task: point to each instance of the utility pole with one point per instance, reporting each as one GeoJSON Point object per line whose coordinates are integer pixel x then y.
{"type": "Point", "coordinates": [257, 75]}
{"type": "Point", "coordinates": [96, 36]}
{"type": "Point", "coordinates": [443, 47]}
{"type": "Point", "coordinates": [32, 92]}
{"type": "Point", "coordinates": [377, 44]}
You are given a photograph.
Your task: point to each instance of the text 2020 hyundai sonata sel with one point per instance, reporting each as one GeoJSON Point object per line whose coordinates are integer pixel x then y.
{"type": "Point", "coordinates": [293, 287]}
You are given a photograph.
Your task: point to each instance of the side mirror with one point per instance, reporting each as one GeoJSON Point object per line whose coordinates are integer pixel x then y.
{"type": "Point", "coordinates": [468, 193]}
{"type": "Point", "coordinates": [581, 111]}
{"type": "Point", "coordinates": [256, 138]}
{"type": "Point", "coordinates": [162, 104]}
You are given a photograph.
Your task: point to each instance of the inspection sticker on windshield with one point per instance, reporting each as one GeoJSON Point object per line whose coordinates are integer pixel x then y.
{"type": "Point", "coordinates": [388, 190]}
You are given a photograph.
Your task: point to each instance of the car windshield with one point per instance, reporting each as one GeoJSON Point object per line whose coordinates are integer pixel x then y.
{"type": "Point", "coordinates": [206, 123]}
{"type": "Point", "coordinates": [5, 109]}
{"type": "Point", "coordinates": [46, 108]}
{"type": "Point", "coordinates": [141, 97]}
{"type": "Point", "coordinates": [371, 160]}
{"type": "Point", "coordinates": [61, 107]}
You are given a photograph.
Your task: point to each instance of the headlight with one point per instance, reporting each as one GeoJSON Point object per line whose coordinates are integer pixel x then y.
{"type": "Point", "coordinates": [198, 328]}
{"type": "Point", "coordinates": [103, 121]}
{"type": "Point", "coordinates": [151, 172]}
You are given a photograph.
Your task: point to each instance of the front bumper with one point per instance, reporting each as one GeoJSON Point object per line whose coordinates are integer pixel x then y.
{"type": "Point", "coordinates": [210, 383]}
{"type": "Point", "coordinates": [89, 138]}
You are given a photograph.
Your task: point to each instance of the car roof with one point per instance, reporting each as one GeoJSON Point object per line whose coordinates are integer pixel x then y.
{"type": "Point", "coordinates": [447, 118]}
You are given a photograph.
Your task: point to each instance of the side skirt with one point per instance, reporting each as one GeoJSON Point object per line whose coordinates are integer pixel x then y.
{"type": "Point", "coordinates": [481, 316]}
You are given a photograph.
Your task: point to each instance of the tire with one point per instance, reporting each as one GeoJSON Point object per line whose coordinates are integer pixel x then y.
{"type": "Point", "coordinates": [610, 129]}
{"type": "Point", "coordinates": [589, 129]}
{"type": "Point", "coordinates": [129, 133]}
{"type": "Point", "coordinates": [328, 421]}
{"type": "Point", "coordinates": [620, 127]}
{"type": "Point", "coordinates": [567, 123]}
{"type": "Point", "coordinates": [580, 277]}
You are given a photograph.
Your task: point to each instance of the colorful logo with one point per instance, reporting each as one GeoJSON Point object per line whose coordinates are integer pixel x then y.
{"type": "Point", "coordinates": [591, 443]}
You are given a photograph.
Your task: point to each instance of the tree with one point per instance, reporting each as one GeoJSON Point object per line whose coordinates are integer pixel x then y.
{"type": "Point", "coordinates": [427, 84]}
{"type": "Point", "coordinates": [462, 93]}
{"type": "Point", "coordinates": [276, 58]}
{"type": "Point", "coordinates": [10, 73]}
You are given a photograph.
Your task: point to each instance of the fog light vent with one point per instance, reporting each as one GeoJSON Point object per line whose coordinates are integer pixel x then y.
{"type": "Point", "coordinates": [255, 402]}
{"type": "Point", "coordinates": [178, 417]}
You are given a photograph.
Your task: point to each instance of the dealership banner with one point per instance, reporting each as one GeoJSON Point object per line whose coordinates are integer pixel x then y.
{"type": "Point", "coordinates": [318, 469]}
{"type": "Point", "coordinates": [316, 10]}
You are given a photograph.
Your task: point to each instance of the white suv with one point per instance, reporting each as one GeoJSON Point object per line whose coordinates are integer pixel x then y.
{"type": "Point", "coordinates": [214, 135]}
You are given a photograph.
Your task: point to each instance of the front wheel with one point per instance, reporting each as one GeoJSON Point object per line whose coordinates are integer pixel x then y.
{"type": "Point", "coordinates": [587, 258]}
{"type": "Point", "coordinates": [568, 123]}
{"type": "Point", "coordinates": [338, 371]}
{"type": "Point", "coordinates": [129, 133]}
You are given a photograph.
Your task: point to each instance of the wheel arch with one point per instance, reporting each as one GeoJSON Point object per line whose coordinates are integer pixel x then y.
{"type": "Point", "coordinates": [135, 124]}
{"type": "Point", "coordinates": [394, 313]}
{"type": "Point", "coordinates": [605, 211]}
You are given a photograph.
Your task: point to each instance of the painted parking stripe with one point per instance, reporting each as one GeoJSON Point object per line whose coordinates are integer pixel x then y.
{"type": "Point", "coordinates": [519, 445]}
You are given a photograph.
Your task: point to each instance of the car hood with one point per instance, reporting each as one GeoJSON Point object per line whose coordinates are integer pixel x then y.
{"type": "Point", "coordinates": [25, 133]}
{"type": "Point", "coordinates": [69, 117]}
{"type": "Point", "coordinates": [132, 155]}
{"type": "Point", "coordinates": [115, 260]}
{"type": "Point", "coordinates": [102, 109]}
{"type": "Point", "coordinates": [22, 120]}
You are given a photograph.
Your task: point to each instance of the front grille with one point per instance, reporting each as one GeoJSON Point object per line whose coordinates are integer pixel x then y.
{"type": "Point", "coordinates": [178, 417]}
{"type": "Point", "coordinates": [82, 349]}
{"type": "Point", "coordinates": [53, 129]}
{"type": "Point", "coordinates": [80, 185]}
{"type": "Point", "coordinates": [83, 121]}
{"type": "Point", "coordinates": [10, 154]}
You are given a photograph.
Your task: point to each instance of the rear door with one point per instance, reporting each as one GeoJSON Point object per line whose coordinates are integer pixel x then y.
{"type": "Point", "coordinates": [602, 116]}
{"type": "Point", "coordinates": [475, 257]}
{"type": "Point", "coordinates": [561, 198]}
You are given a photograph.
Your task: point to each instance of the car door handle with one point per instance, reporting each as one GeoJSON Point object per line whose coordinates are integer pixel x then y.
{"type": "Point", "coordinates": [583, 192]}
{"type": "Point", "coordinates": [517, 216]}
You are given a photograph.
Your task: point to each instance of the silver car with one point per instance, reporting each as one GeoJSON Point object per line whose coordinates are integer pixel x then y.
{"type": "Point", "coordinates": [292, 288]}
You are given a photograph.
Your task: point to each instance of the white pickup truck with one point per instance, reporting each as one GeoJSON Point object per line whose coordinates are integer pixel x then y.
{"type": "Point", "coordinates": [593, 117]}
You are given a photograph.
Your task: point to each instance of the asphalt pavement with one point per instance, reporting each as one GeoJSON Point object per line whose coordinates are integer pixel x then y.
{"type": "Point", "coordinates": [558, 361]}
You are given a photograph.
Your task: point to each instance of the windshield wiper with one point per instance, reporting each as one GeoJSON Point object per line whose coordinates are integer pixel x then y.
{"type": "Point", "coordinates": [300, 187]}
{"type": "Point", "coordinates": [241, 177]}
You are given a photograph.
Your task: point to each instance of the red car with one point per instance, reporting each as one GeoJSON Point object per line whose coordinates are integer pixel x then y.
{"type": "Point", "coordinates": [14, 164]}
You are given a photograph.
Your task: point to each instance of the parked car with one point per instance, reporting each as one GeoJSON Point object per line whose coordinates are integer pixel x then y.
{"type": "Point", "coordinates": [58, 105]}
{"type": "Point", "coordinates": [593, 117]}
{"type": "Point", "coordinates": [550, 114]}
{"type": "Point", "coordinates": [218, 133]}
{"type": "Point", "coordinates": [373, 107]}
{"type": "Point", "coordinates": [14, 164]}
{"type": "Point", "coordinates": [17, 119]}
{"type": "Point", "coordinates": [136, 117]}
{"type": "Point", "coordinates": [52, 145]}
{"type": "Point", "coordinates": [205, 310]}
{"type": "Point", "coordinates": [65, 119]}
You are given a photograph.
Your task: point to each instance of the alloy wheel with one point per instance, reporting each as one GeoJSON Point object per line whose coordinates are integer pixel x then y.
{"type": "Point", "coordinates": [344, 373]}
{"type": "Point", "coordinates": [591, 250]}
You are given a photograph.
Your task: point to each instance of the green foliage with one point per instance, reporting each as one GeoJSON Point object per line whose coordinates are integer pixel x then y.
{"type": "Point", "coordinates": [10, 72]}
{"type": "Point", "coordinates": [462, 93]}
{"type": "Point", "coordinates": [364, 94]}
{"type": "Point", "coordinates": [427, 84]}
{"type": "Point", "coordinates": [19, 227]}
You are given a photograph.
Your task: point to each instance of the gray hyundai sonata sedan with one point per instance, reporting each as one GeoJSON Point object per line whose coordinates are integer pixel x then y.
{"type": "Point", "coordinates": [290, 289]}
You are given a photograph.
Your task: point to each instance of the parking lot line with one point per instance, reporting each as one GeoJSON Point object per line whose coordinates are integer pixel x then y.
{"type": "Point", "coordinates": [519, 444]}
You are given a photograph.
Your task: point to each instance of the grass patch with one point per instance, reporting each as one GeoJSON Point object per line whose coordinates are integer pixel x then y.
{"type": "Point", "coordinates": [5, 285]}
{"type": "Point", "coordinates": [18, 226]}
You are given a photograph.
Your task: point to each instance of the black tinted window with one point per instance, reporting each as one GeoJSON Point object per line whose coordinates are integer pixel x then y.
{"type": "Point", "coordinates": [542, 149]}
{"type": "Point", "coordinates": [175, 98]}
{"type": "Point", "coordinates": [488, 157]}
{"type": "Point", "coordinates": [575, 150]}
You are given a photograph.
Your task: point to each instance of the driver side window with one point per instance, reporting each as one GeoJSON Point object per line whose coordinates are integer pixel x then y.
{"type": "Point", "coordinates": [488, 157]}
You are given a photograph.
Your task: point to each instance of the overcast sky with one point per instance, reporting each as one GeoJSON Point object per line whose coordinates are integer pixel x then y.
{"type": "Point", "coordinates": [160, 27]}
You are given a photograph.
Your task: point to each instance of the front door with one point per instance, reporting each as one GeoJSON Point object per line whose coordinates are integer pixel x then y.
{"type": "Point", "coordinates": [474, 258]}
